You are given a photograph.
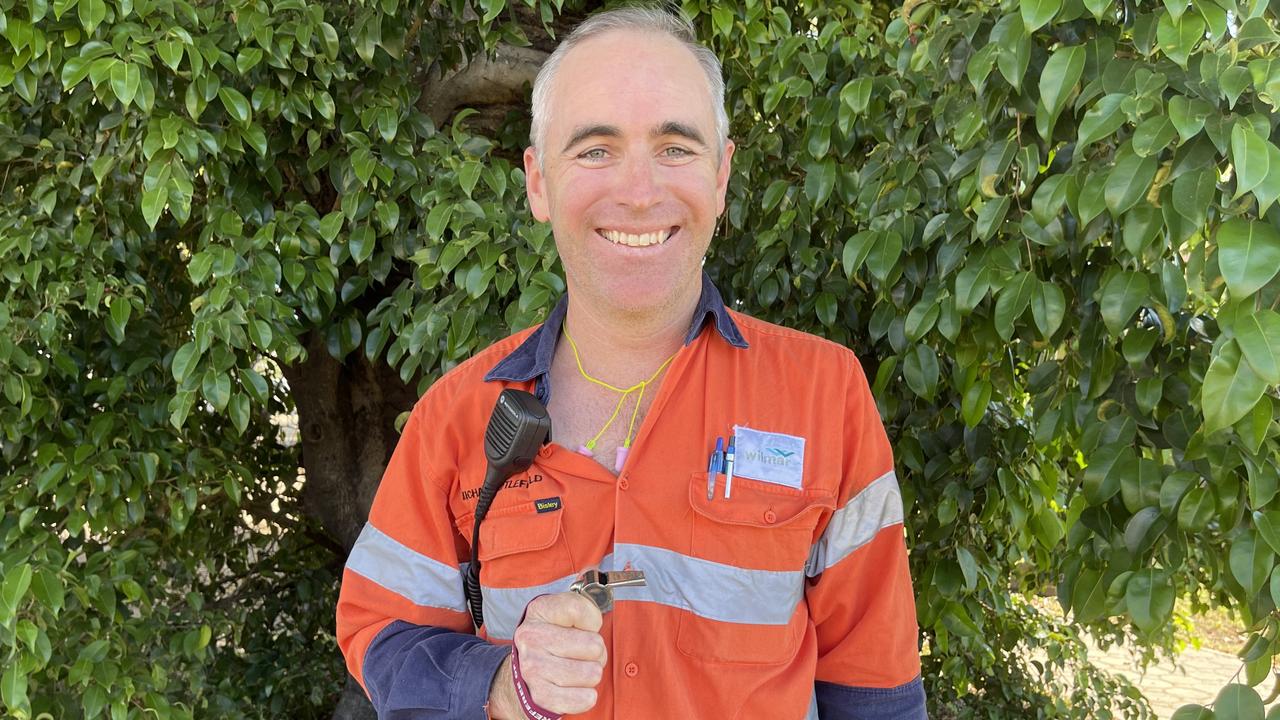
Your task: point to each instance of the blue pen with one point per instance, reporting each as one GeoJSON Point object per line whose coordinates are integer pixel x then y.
{"type": "Point", "coordinates": [728, 464]}
{"type": "Point", "coordinates": [717, 458]}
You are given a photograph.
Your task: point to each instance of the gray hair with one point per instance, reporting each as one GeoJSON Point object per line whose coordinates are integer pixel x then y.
{"type": "Point", "coordinates": [649, 18]}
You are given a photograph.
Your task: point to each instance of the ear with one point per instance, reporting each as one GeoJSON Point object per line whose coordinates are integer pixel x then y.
{"type": "Point", "coordinates": [535, 186]}
{"type": "Point", "coordinates": [722, 176]}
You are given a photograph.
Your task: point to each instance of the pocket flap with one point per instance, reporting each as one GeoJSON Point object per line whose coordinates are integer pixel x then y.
{"type": "Point", "coordinates": [520, 528]}
{"type": "Point", "coordinates": [755, 503]}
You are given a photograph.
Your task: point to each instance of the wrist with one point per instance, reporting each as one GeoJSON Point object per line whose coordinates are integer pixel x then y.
{"type": "Point", "coordinates": [502, 701]}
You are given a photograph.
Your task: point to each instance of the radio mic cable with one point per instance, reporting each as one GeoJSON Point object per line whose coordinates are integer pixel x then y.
{"type": "Point", "coordinates": [519, 426]}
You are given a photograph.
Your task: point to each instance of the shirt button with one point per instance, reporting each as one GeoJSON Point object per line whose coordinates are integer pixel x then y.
{"type": "Point", "coordinates": [770, 517]}
{"type": "Point", "coordinates": [631, 669]}
{"type": "Point", "coordinates": [624, 484]}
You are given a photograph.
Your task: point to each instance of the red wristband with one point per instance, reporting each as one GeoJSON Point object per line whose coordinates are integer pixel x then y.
{"type": "Point", "coordinates": [531, 709]}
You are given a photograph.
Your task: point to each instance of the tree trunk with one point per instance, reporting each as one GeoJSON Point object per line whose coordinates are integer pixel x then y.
{"type": "Point", "coordinates": [346, 424]}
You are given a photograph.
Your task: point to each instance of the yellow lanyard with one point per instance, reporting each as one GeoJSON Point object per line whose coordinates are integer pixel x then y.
{"type": "Point", "coordinates": [589, 447]}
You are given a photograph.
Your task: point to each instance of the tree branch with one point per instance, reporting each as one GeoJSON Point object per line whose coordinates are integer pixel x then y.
{"type": "Point", "coordinates": [494, 79]}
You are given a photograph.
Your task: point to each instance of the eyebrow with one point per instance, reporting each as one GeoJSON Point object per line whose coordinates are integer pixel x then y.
{"type": "Point", "coordinates": [670, 127]}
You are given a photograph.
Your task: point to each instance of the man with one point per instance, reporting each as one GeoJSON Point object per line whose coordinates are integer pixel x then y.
{"type": "Point", "coordinates": [782, 593]}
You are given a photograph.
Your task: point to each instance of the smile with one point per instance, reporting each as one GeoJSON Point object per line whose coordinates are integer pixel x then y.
{"type": "Point", "coordinates": [645, 239]}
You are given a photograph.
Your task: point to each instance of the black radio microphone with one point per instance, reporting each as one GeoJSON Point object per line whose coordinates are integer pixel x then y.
{"type": "Point", "coordinates": [518, 428]}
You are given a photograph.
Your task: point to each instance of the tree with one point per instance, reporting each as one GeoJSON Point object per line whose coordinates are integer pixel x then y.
{"type": "Point", "coordinates": [1045, 227]}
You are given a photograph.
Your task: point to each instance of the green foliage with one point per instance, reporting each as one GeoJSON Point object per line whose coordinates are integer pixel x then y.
{"type": "Point", "coordinates": [1047, 228]}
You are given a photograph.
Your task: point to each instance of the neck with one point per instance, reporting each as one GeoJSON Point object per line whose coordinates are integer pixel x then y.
{"type": "Point", "coordinates": [623, 351]}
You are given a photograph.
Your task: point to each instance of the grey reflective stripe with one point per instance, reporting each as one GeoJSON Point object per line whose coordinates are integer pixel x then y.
{"type": "Point", "coordinates": [813, 705]}
{"type": "Point", "coordinates": [406, 572]}
{"type": "Point", "coordinates": [710, 590]}
{"type": "Point", "coordinates": [878, 506]}
{"type": "Point", "coordinates": [504, 606]}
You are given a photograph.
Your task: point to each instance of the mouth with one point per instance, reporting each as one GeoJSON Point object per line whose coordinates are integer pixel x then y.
{"type": "Point", "coordinates": [638, 239]}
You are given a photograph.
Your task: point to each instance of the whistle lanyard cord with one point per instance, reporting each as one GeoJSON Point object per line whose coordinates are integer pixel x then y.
{"type": "Point", "coordinates": [641, 386]}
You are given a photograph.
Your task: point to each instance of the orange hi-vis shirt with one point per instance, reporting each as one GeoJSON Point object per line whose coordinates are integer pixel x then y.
{"type": "Point", "coordinates": [790, 596]}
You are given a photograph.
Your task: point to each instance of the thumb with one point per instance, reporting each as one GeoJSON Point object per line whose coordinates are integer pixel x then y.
{"type": "Point", "coordinates": [566, 609]}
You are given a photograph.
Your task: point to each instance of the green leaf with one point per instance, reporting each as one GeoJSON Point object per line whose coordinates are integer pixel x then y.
{"type": "Point", "coordinates": [991, 216]}
{"type": "Point", "coordinates": [125, 79]}
{"type": "Point", "coordinates": [48, 589]}
{"type": "Point", "coordinates": [1250, 562]}
{"type": "Point", "coordinates": [1251, 156]}
{"type": "Point", "coordinates": [91, 14]}
{"type": "Point", "coordinates": [1149, 597]}
{"type": "Point", "coordinates": [885, 254]}
{"type": "Point", "coordinates": [1268, 191]}
{"type": "Point", "coordinates": [236, 104]}
{"type": "Point", "coordinates": [974, 404]}
{"type": "Point", "coordinates": [1172, 490]}
{"type": "Point", "coordinates": [1035, 13]}
{"type": "Point", "coordinates": [238, 409]}
{"type": "Point", "coordinates": [1238, 702]}
{"type": "Point", "coordinates": [1196, 509]}
{"type": "Point", "coordinates": [1193, 712]}
{"type": "Point", "coordinates": [1128, 182]}
{"type": "Point", "coordinates": [921, 371]}
{"type": "Point", "coordinates": [216, 387]}
{"type": "Point", "coordinates": [825, 305]}
{"type": "Point", "coordinates": [1121, 297]}
{"type": "Point", "coordinates": [856, 250]}
{"type": "Point", "coordinates": [1230, 389]}
{"type": "Point", "coordinates": [121, 309]}
{"type": "Point", "coordinates": [1106, 468]}
{"type": "Point", "coordinates": [969, 567]}
{"type": "Point", "coordinates": [1188, 115]}
{"type": "Point", "coordinates": [16, 582]}
{"type": "Point", "coordinates": [856, 95]}
{"type": "Point", "coordinates": [363, 242]}
{"type": "Point", "coordinates": [1100, 121]}
{"type": "Point", "coordinates": [1012, 302]}
{"type": "Point", "coordinates": [184, 361]}
{"type": "Point", "coordinates": [1061, 73]}
{"type": "Point", "coordinates": [1013, 56]}
{"type": "Point", "coordinates": [1258, 333]}
{"type": "Point", "coordinates": [1048, 307]}
{"type": "Point", "coordinates": [1138, 528]}
{"type": "Point", "coordinates": [468, 175]}
{"type": "Point", "coordinates": [1268, 525]}
{"type": "Point", "coordinates": [1248, 255]}
{"type": "Point", "coordinates": [1153, 135]}
{"type": "Point", "coordinates": [819, 181]}
{"type": "Point", "coordinates": [13, 688]}
{"type": "Point", "coordinates": [1194, 193]}
{"type": "Point", "coordinates": [1178, 37]}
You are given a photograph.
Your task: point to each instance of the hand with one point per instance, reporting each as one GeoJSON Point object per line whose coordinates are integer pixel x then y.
{"type": "Point", "coordinates": [562, 657]}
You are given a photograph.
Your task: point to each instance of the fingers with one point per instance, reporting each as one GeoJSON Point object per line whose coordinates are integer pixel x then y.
{"type": "Point", "coordinates": [566, 610]}
{"type": "Point", "coordinates": [561, 654]}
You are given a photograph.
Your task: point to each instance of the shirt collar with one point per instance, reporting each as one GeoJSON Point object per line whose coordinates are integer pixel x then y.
{"type": "Point", "coordinates": [532, 359]}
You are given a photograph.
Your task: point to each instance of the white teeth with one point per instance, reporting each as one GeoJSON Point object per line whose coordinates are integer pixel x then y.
{"type": "Point", "coordinates": [644, 240]}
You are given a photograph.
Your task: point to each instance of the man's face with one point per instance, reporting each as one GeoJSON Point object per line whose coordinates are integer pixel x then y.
{"type": "Point", "coordinates": [630, 177]}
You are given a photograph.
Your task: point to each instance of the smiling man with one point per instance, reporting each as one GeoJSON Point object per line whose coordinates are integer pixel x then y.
{"type": "Point", "coordinates": [776, 583]}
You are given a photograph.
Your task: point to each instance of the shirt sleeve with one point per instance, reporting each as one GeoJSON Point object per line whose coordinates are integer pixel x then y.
{"type": "Point", "coordinates": [402, 620]}
{"type": "Point", "coordinates": [859, 587]}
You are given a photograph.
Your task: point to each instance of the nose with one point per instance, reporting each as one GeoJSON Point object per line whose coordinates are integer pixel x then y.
{"type": "Point", "coordinates": [639, 183]}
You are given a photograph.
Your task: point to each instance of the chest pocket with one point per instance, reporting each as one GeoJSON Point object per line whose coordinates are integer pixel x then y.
{"type": "Point", "coordinates": [521, 547]}
{"type": "Point", "coordinates": [744, 606]}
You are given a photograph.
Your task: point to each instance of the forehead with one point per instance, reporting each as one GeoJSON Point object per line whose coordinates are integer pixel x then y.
{"type": "Point", "coordinates": [630, 76]}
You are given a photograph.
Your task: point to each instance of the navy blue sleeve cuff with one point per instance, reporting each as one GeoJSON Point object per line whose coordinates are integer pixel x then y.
{"type": "Point", "coordinates": [415, 672]}
{"type": "Point", "coordinates": [842, 702]}
{"type": "Point", "coordinates": [476, 668]}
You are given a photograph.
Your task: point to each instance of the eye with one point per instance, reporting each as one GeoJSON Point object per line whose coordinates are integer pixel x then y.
{"type": "Point", "coordinates": [594, 154]}
{"type": "Point", "coordinates": [675, 151]}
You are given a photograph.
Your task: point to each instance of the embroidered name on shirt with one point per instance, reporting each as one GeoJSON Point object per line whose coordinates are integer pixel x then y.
{"type": "Point", "coordinates": [769, 457]}
{"type": "Point", "coordinates": [519, 482]}
{"type": "Point", "coordinates": [547, 504]}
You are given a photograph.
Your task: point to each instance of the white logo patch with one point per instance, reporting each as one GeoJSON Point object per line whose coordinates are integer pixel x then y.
{"type": "Point", "coordinates": [768, 457]}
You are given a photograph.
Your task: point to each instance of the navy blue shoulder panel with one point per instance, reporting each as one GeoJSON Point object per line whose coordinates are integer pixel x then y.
{"type": "Point", "coordinates": [842, 702]}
